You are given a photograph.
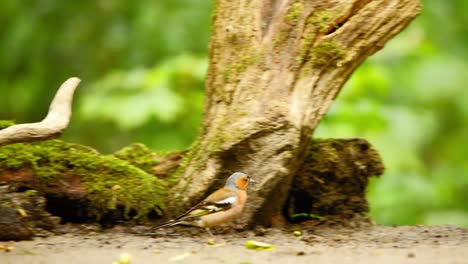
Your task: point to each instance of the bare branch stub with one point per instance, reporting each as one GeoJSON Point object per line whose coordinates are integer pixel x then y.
{"type": "Point", "coordinates": [52, 125]}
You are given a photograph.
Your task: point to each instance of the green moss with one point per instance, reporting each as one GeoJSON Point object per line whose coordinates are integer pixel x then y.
{"type": "Point", "coordinates": [6, 123]}
{"type": "Point", "coordinates": [333, 171]}
{"type": "Point", "coordinates": [30, 193]}
{"type": "Point", "coordinates": [227, 73]}
{"type": "Point", "coordinates": [139, 156]}
{"type": "Point", "coordinates": [108, 180]}
{"type": "Point", "coordinates": [223, 135]}
{"type": "Point", "coordinates": [306, 43]}
{"type": "Point", "coordinates": [291, 18]}
{"type": "Point", "coordinates": [326, 52]}
{"type": "Point", "coordinates": [280, 38]}
{"type": "Point", "coordinates": [186, 160]}
{"type": "Point", "coordinates": [212, 145]}
{"type": "Point", "coordinates": [323, 52]}
{"type": "Point", "coordinates": [294, 13]}
{"type": "Point", "coordinates": [231, 73]}
{"type": "Point", "coordinates": [216, 142]}
{"type": "Point", "coordinates": [322, 20]}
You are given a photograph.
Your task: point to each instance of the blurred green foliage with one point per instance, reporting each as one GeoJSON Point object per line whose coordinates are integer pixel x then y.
{"type": "Point", "coordinates": [129, 55]}
{"type": "Point", "coordinates": [410, 101]}
{"type": "Point", "coordinates": [143, 64]}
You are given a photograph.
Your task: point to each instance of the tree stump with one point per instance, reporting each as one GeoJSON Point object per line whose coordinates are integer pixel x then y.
{"type": "Point", "coordinates": [275, 69]}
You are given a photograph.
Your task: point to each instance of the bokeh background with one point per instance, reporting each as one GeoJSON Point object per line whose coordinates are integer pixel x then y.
{"type": "Point", "coordinates": [143, 65]}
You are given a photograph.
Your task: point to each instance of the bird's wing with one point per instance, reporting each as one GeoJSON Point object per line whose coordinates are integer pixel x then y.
{"type": "Point", "coordinates": [221, 196]}
{"type": "Point", "coordinates": [220, 200]}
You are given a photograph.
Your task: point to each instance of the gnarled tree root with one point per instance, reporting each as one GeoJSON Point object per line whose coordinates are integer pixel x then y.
{"type": "Point", "coordinates": [331, 182]}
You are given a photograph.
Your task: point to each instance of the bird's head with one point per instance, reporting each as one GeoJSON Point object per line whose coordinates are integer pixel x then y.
{"type": "Point", "coordinates": [239, 181]}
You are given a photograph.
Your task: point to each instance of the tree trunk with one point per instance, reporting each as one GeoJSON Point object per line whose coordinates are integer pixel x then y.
{"type": "Point", "coordinates": [275, 68]}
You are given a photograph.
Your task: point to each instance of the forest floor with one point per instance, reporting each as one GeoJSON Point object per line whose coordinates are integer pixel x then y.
{"type": "Point", "coordinates": [371, 244]}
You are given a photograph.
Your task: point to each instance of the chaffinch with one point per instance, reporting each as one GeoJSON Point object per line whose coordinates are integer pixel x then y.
{"type": "Point", "coordinates": [222, 206]}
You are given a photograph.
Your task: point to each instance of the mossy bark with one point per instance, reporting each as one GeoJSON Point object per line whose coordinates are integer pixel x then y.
{"type": "Point", "coordinates": [82, 183]}
{"type": "Point", "coordinates": [333, 179]}
{"type": "Point", "coordinates": [275, 69]}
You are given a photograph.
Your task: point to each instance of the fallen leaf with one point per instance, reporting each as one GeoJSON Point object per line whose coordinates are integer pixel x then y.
{"type": "Point", "coordinates": [22, 212]}
{"type": "Point", "coordinates": [6, 248]}
{"type": "Point", "coordinates": [257, 245]}
{"type": "Point", "coordinates": [125, 258]}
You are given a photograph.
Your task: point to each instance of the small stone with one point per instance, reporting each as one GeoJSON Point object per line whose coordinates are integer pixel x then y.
{"type": "Point", "coordinates": [125, 258]}
{"type": "Point", "coordinates": [411, 255]}
{"type": "Point", "coordinates": [297, 233]}
{"type": "Point", "coordinates": [260, 231]}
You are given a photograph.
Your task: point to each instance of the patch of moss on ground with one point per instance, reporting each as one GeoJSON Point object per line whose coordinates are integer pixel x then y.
{"type": "Point", "coordinates": [139, 156]}
{"type": "Point", "coordinates": [109, 181]}
{"type": "Point", "coordinates": [6, 123]}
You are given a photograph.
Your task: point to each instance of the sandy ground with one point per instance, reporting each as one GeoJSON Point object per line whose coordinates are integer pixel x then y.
{"type": "Point", "coordinates": [375, 244]}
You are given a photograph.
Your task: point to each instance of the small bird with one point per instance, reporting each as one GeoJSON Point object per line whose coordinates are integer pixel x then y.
{"type": "Point", "coordinates": [222, 206]}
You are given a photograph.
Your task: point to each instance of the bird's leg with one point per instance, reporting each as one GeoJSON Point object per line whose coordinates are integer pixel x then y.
{"type": "Point", "coordinates": [209, 232]}
{"type": "Point", "coordinates": [212, 241]}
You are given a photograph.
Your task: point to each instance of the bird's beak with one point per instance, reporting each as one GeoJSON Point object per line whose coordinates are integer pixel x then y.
{"type": "Point", "coordinates": [251, 181]}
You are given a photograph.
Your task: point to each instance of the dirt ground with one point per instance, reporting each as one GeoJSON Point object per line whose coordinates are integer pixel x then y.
{"type": "Point", "coordinates": [372, 244]}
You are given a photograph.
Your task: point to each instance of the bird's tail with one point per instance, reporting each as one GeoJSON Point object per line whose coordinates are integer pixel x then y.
{"type": "Point", "coordinates": [169, 223]}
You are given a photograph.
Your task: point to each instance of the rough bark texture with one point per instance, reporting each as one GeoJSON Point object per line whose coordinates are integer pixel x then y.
{"type": "Point", "coordinates": [332, 180]}
{"type": "Point", "coordinates": [21, 213]}
{"type": "Point", "coordinates": [53, 124]}
{"type": "Point", "coordinates": [275, 68]}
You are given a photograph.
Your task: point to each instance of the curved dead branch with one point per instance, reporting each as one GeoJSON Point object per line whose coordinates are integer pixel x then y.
{"type": "Point", "coordinates": [52, 125]}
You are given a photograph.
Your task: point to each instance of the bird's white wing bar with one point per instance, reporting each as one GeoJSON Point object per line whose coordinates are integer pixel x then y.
{"type": "Point", "coordinates": [229, 200]}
